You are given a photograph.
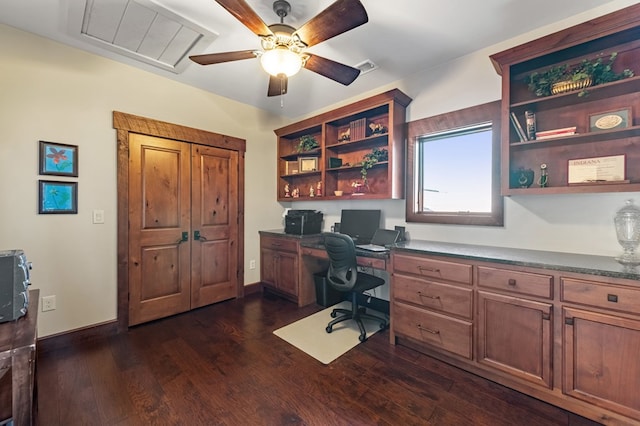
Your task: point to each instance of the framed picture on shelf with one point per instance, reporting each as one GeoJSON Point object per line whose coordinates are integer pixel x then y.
{"type": "Point", "coordinates": [292, 167]}
{"type": "Point", "coordinates": [618, 119]}
{"type": "Point", "coordinates": [58, 159]}
{"type": "Point", "coordinates": [308, 164]}
{"type": "Point", "coordinates": [57, 197]}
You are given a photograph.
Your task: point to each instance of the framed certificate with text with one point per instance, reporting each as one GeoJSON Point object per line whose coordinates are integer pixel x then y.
{"type": "Point", "coordinates": [597, 170]}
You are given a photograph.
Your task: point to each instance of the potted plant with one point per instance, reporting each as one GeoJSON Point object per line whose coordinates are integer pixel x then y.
{"type": "Point", "coordinates": [307, 143]}
{"type": "Point", "coordinates": [371, 158]}
{"type": "Point", "coordinates": [563, 78]}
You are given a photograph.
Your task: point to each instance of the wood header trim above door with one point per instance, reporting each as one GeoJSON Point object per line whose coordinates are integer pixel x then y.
{"type": "Point", "coordinates": [148, 126]}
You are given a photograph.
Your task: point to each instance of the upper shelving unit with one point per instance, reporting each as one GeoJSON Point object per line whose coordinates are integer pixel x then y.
{"type": "Point", "coordinates": [619, 33]}
{"type": "Point", "coordinates": [346, 135]}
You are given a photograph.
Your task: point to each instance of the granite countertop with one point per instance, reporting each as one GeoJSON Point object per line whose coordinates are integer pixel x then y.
{"type": "Point", "coordinates": [281, 233]}
{"type": "Point", "coordinates": [569, 262]}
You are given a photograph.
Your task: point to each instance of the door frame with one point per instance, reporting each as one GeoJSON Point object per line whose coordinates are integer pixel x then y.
{"type": "Point", "coordinates": [127, 123]}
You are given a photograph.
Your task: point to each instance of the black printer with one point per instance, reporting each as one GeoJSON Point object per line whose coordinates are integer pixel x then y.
{"type": "Point", "coordinates": [303, 222]}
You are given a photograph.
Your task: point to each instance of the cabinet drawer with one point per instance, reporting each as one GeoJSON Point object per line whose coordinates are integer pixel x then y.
{"type": "Point", "coordinates": [538, 285]}
{"type": "Point", "coordinates": [371, 262]}
{"type": "Point", "coordinates": [437, 330]}
{"type": "Point", "coordinates": [600, 295]}
{"type": "Point", "coordinates": [275, 243]}
{"type": "Point", "coordinates": [432, 268]}
{"type": "Point", "coordinates": [441, 297]}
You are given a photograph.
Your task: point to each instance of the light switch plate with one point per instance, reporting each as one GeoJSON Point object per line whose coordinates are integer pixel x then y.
{"type": "Point", "coordinates": [98, 216]}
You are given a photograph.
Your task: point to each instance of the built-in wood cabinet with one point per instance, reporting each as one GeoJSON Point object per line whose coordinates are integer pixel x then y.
{"type": "Point", "coordinates": [281, 266]}
{"type": "Point", "coordinates": [432, 303]}
{"type": "Point", "coordinates": [601, 343]}
{"type": "Point", "coordinates": [515, 331]}
{"type": "Point", "coordinates": [618, 32]}
{"type": "Point", "coordinates": [569, 335]}
{"type": "Point", "coordinates": [345, 135]}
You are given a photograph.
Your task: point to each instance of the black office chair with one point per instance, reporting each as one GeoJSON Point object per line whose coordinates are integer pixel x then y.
{"type": "Point", "coordinates": [344, 276]}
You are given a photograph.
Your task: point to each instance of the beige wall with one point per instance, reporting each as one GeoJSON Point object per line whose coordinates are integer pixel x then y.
{"type": "Point", "coordinates": [57, 93]}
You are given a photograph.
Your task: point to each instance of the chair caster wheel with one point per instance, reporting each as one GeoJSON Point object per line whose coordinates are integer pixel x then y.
{"type": "Point", "coordinates": [362, 337]}
{"type": "Point", "coordinates": [329, 329]}
{"type": "Point", "coordinates": [333, 314]}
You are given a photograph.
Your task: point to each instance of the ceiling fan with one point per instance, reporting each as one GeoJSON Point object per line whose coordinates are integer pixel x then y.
{"type": "Point", "coordinates": [284, 47]}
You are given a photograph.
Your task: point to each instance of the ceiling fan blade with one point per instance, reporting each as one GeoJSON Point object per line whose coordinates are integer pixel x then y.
{"type": "Point", "coordinates": [339, 17]}
{"type": "Point", "coordinates": [243, 13]}
{"type": "Point", "coordinates": [216, 58]}
{"type": "Point", "coordinates": [331, 69]}
{"type": "Point", "coordinates": [277, 85]}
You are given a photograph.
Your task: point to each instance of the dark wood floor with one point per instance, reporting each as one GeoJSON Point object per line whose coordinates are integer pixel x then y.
{"type": "Point", "coordinates": [221, 365]}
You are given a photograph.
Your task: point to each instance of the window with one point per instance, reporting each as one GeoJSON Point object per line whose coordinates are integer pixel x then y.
{"type": "Point", "coordinates": [454, 168]}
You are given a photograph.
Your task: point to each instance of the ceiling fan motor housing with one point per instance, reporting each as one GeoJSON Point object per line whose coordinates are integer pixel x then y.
{"type": "Point", "coordinates": [281, 8]}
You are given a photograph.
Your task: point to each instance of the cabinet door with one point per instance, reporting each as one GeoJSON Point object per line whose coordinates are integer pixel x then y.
{"type": "Point", "coordinates": [602, 361]}
{"type": "Point", "coordinates": [287, 272]}
{"type": "Point", "coordinates": [268, 267]}
{"type": "Point", "coordinates": [515, 336]}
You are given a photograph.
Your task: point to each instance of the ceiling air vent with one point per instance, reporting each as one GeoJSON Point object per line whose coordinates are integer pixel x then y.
{"type": "Point", "coordinates": [143, 30]}
{"type": "Point", "coordinates": [366, 66]}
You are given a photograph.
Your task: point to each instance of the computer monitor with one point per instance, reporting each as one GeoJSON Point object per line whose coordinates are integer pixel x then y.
{"type": "Point", "coordinates": [360, 224]}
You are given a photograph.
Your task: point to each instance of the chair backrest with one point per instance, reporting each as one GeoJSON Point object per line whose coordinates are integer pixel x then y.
{"type": "Point", "coordinates": [343, 270]}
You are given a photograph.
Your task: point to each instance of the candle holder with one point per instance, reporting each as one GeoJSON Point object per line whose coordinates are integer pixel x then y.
{"type": "Point", "coordinates": [627, 223]}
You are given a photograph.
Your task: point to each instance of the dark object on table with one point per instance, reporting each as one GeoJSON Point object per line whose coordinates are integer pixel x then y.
{"type": "Point", "coordinates": [303, 222]}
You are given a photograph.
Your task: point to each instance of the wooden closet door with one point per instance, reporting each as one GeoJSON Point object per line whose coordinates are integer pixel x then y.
{"type": "Point", "coordinates": [159, 217]}
{"type": "Point", "coordinates": [214, 217]}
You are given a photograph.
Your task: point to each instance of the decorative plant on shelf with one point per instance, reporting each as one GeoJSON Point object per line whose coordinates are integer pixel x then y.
{"type": "Point", "coordinates": [563, 78]}
{"type": "Point", "coordinates": [376, 155]}
{"type": "Point", "coordinates": [307, 143]}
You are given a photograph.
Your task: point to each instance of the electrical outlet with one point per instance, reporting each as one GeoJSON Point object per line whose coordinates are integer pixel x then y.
{"type": "Point", "coordinates": [48, 303]}
{"type": "Point", "coordinates": [252, 264]}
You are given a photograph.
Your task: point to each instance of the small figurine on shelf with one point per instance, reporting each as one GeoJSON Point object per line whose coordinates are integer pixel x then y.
{"type": "Point", "coordinates": [311, 191]}
{"type": "Point", "coordinates": [287, 194]}
{"type": "Point", "coordinates": [295, 193]}
{"type": "Point", "coordinates": [377, 129]}
{"type": "Point", "coordinates": [544, 178]}
{"type": "Point", "coordinates": [319, 189]}
{"type": "Point", "coordinates": [345, 136]}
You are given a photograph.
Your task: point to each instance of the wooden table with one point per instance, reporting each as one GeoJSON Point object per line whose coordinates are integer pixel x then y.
{"type": "Point", "coordinates": [18, 358]}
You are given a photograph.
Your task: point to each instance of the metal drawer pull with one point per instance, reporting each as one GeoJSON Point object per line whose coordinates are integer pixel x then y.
{"type": "Point", "coordinates": [424, 268]}
{"type": "Point", "coordinates": [421, 328]}
{"type": "Point", "coordinates": [612, 298]}
{"type": "Point", "coordinates": [512, 282]}
{"type": "Point", "coordinates": [427, 296]}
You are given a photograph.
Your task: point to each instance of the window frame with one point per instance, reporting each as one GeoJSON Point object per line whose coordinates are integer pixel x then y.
{"type": "Point", "coordinates": [451, 121]}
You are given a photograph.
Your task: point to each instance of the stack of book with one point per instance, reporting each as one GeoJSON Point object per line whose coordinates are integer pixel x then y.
{"type": "Point", "coordinates": [357, 129]}
{"type": "Point", "coordinates": [556, 133]}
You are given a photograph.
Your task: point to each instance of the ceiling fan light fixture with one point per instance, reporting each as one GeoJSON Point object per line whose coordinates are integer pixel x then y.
{"type": "Point", "coordinates": [281, 60]}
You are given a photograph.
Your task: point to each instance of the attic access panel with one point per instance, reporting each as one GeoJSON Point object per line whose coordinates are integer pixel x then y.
{"type": "Point", "coordinates": [139, 29]}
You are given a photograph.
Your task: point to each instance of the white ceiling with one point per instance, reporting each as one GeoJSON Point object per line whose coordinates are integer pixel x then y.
{"type": "Point", "coordinates": [402, 37]}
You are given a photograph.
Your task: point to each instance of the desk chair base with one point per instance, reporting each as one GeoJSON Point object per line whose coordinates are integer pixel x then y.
{"type": "Point", "coordinates": [357, 314]}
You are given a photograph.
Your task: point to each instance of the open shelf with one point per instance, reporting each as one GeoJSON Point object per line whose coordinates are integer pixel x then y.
{"type": "Point", "coordinates": [375, 123]}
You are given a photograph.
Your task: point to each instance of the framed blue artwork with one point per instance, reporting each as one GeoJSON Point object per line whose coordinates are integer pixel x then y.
{"type": "Point", "coordinates": [58, 159]}
{"type": "Point", "coordinates": [57, 197]}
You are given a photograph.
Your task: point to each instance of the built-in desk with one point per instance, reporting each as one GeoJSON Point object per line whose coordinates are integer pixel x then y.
{"type": "Point", "coordinates": [288, 263]}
